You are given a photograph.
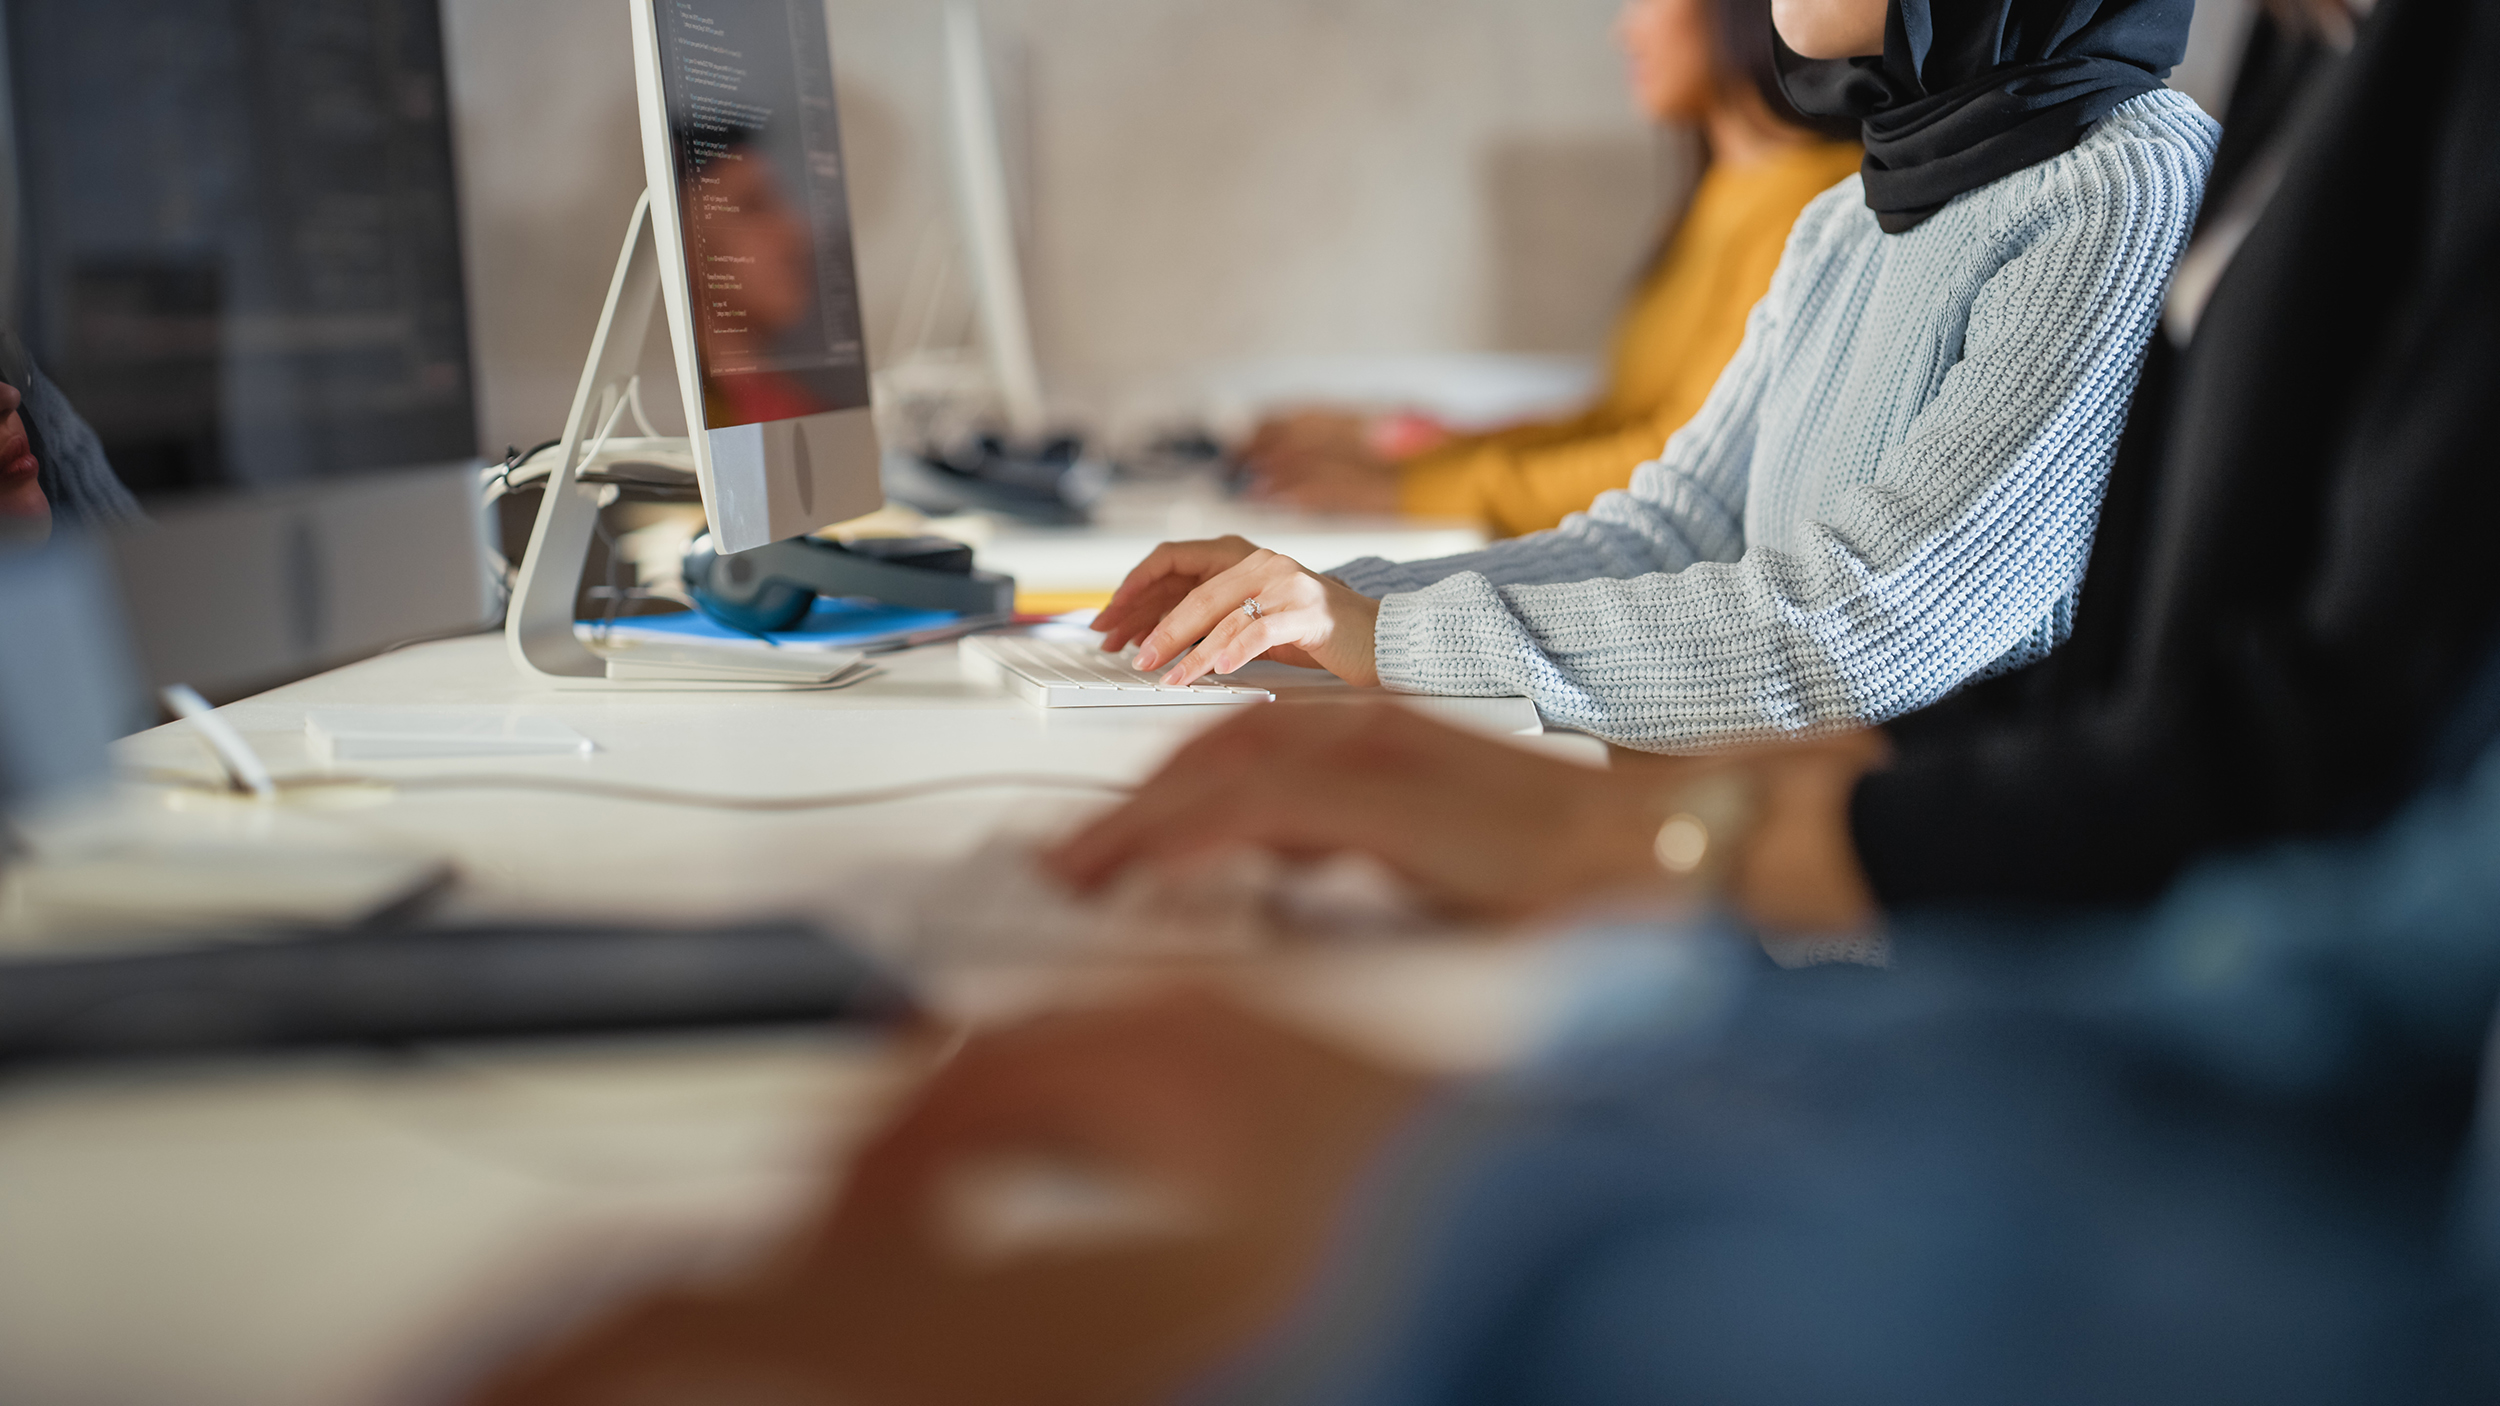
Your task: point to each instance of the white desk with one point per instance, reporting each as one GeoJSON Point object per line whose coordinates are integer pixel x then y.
{"type": "Point", "coordinates": [293, 1231]}
{"type": "Point", "coordinates": [1134, 518]}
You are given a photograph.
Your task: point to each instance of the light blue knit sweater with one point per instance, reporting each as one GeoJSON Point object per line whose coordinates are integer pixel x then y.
{"type": "Point", "coordinates": [1891, 490]}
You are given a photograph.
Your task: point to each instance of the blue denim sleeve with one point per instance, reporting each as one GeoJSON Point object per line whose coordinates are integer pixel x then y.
{"type": "Point", "coordinates": [2119, 1159]}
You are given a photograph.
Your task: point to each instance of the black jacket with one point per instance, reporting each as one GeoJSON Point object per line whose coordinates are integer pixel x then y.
{"type": "Point", "coordinates": [2296, 577]}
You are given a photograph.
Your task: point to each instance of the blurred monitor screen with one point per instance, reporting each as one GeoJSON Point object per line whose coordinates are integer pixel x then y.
{"type": "Point", "coordinates": [238, 245]}
{"type": "Point", "coordinates": [757, 150]}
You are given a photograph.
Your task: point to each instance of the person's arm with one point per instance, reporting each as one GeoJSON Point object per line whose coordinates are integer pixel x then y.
{"type": "Point", "coordinates": [1678, 338]}
{"type": "Point", "coordinates": [1964, 547]}
{"type": "Point", "coordinates": [1524, 487]}
{"type": "Point", "coordinates": [1686, 504]}
{"type": "Point", "coordinates": [1483, 830]}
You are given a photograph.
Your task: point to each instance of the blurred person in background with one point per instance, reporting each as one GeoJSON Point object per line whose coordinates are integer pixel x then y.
{"type": "Point", "coordinates": [1705, 64]}
{"type": "Point", "coordinates": [52, 469]}
{"type": "Point", "coordinates": [25, 513]}
{"type": "Point", "coordinates": [1892, 489]}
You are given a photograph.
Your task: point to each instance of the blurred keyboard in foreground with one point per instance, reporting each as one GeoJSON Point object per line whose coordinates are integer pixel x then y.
{"type": "Point", "coordinates": [394, 986]}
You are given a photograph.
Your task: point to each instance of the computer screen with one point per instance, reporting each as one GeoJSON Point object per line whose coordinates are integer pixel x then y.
{"type": "Point", "coordinates": [757, 153]}
{"type": "Point", "coordinates": [238, 244]}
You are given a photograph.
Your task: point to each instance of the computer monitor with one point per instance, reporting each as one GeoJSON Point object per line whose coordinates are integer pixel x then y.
{"type": "Point", "coordinates": [742, 147]}
{"type": "Point", "coordinates": [744, 234]}
{"type": "Point", "coordinates": [230, 232]}
{"type": "Point", "coordinates": [989, 233]}
{"type": "Point", "coordinates": [67, 687]}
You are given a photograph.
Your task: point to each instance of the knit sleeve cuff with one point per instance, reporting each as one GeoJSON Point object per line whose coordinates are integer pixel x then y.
{"type": "Point", "coordinates": [1393, 643]}
{"type": "Point", "coordinates": [1419, 644]}
{"type": "Point", "coordinates": [1374, 576]}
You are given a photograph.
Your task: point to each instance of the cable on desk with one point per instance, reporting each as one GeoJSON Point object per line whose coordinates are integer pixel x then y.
{"type": "Point", "coordinates": [458, 632]}
{"type": "Point", "coordinates": [661, 796]}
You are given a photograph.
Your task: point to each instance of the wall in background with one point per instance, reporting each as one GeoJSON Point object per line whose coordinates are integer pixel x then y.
{"type": "Point", "coordinates": [1201, 180]}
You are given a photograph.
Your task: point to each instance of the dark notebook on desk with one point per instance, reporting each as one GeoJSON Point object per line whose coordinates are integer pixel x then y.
{"type": "Point", "coordinates": [408, 985]}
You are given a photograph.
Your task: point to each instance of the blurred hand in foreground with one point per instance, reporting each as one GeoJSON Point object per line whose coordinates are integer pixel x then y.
{"type": "Point", "coordinates": [1187, 608]}
{"type": "Point", "coordinates": [1246, 1134]}
{"type": "Point", "coordinates": [1483, 829]}
{"type": "Point", "coordinates": [1480, 828]}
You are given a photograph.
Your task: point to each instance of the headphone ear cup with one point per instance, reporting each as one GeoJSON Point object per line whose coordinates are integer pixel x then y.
{"type": "Point", "coordinates": [727, 592]}
{"type": "Point", "coordinates": [776, 606]}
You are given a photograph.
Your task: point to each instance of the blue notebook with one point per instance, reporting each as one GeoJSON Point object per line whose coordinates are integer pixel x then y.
{"type": "Point", "coordinates": [830, 624]}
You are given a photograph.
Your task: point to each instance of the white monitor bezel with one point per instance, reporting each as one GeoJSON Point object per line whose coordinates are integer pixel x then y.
{"type": "Point", "coordinates": [753, 493]}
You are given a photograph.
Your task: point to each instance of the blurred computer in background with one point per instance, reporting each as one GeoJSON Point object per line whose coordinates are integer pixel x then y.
{"type": "Point", "coordinates": [229, 230]}
{"type": "Point", "coordinates": [67, 684]}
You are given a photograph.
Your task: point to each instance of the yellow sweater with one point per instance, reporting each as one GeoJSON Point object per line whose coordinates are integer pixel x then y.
{"type": "Point", "coordinates": [1669, 348]}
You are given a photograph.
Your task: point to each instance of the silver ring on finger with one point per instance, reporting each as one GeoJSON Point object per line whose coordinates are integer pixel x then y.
{"type": "Point", "coordinates": [1252, 608]}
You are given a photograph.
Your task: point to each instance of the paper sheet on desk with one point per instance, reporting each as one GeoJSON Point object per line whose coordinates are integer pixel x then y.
{"type": "Point", "coordinates": [830, 625]}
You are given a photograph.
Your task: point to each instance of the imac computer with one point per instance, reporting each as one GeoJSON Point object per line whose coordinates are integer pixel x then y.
{"type": "Point", "coordinates": [989, 232]}
{"type": "Point", "coordinates": [986, 437]}
{"type": "Point", "coordinates": [230, 234]}
{"type": "Point", "coordinates": [742, 242]}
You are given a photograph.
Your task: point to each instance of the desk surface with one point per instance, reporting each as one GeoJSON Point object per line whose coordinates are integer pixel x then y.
{"type": "Point", "coordinates": [1134, 518]}
{"type": "Point", "coordinates": [529, 854]}
{"type": "Point", "coordinates": [289, 1231]}
{"type": "Point", "coordinates": [299, 1230]}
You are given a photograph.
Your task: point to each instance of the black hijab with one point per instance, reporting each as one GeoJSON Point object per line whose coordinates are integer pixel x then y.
{"type": "Point", "coordinates": [1968, 91]}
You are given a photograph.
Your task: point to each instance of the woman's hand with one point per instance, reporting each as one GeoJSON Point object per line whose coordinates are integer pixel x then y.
{"type": "Point", "coordinates": [1198, 594]}
{"type": "Point", "coordinates": [1479, 828]}
{"type": "Point", "coordinates": [1282, 442]}
{"type": "Point", "coordinates": [1328, 461]}
{"type": "Point", "coordinates": [1160, 582]}
{"type": "Point", "coordinates": [1348, 484]}
{"type": "Point", "coordinates": [1486, 830]}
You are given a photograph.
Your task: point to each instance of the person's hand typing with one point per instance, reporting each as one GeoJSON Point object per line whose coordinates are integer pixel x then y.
{"type": "Point", "coordinates": [1288, 448]}
{"type": "Point", "coordinates": [1163, 580]}
{"type": "Point", "coordinates": [1483, 829]}
{"type": "Point", "coordinates": [1480, 828]}
{"type": "Point", "coordinates": [1351, 483]}
{"type": "Point", "coordinates": [1334, 462]}
{"type": "Point", "coordinates": [1200, 608]}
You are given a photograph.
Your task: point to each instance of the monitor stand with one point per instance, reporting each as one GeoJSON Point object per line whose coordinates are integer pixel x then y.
{"type": "Point", "coordinates": [538, 630]}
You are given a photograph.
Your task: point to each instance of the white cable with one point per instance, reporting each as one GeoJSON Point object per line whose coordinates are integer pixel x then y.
{"type": "Point", "coordinates": [633, 397]}
{"type": "Point", "coordinates": [615, 413]}
{"type": "Point", "coordinates": [241, 762]}
{"type": "Point", "coordinates": [694, 800]}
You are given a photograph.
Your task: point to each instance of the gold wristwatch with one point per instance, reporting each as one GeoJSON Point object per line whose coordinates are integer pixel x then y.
{"type": "Point", "coordinates": [1707, 821]}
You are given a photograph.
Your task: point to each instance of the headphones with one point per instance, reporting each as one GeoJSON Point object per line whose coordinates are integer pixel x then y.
{"type": "Point", "coordinates": [771, 588]}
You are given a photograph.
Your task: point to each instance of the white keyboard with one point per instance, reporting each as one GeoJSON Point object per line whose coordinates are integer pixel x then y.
{"type": "Point", "coordinates": [1078, 674]}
